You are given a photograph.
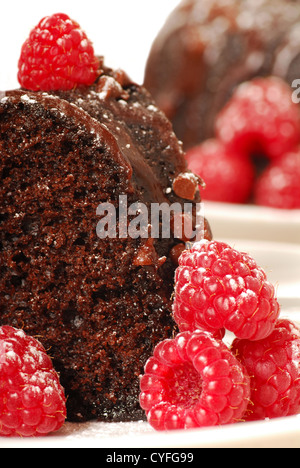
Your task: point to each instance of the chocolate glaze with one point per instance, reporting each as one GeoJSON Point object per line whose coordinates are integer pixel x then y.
{"type": "Point", "coordinates": [207, 47]}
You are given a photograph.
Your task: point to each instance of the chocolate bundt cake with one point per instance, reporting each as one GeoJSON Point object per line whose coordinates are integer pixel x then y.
{"type": "Point", "coordinates": [207, 47]}
{"type": "Point", "coordinates": [98, 305]}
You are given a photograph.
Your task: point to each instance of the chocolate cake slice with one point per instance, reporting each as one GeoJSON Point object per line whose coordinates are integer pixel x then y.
{"type": "Point", "coordinates": [98, 305]}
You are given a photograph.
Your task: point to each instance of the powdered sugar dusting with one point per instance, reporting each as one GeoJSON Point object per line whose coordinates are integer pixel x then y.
{"type": "Point", "coordinates": [26, 98]}
{"type": "Point", "coordinates": [96, 429]}
{"type": "Point", "coordinates": [3, 97]}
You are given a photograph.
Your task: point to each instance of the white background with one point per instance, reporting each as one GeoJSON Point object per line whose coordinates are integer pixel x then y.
{"type": "Point", "coordinates": [121, 30]}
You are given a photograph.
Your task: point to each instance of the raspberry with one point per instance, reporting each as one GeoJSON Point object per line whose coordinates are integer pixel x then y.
{"type": "Point", "coordinates": [57, 56]}
{"type": "Point", "coordinates": [193, 381]}
{"type": "Point", "coordinates": [274, 367]}
{"type": "Point", "coordinates": [260, 118]}
{"type": "Point", "coordinates": [228, 176]}
{"type": "Point", "coordinates": [278, 186]}
{"type": "Point", "coordinates": [32, 401]}
{"type": "Point", "coordinates": [219, 287]}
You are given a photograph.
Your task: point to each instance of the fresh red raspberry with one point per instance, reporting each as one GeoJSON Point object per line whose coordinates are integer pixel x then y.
{"type": "Point", "coordinates": [219, 287]}
{"type": "Point", "coordinates": [32, 400]}
{"type": "Point", "coordinates": [228, 176]}
{"type": "Point", "coordinates": [57, 56]}
{"type": "Point", "coordinates": [274, 367]}
{"type": "Point", "coordinates": [278, 186]}
{"type": "Point", "coordinates": [260, 118]}
{"type": "Point", "coordinates": [193, 381]}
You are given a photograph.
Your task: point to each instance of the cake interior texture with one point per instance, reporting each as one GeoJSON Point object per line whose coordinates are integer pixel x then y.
{"type": "Point", "coordinates": [99, 306]}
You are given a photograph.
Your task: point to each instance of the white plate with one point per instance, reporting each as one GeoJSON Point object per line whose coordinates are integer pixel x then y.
{"type": "Point", "coordinates": [253, 222]}
{"type": "Point", "coordinates": [280, 433]}
{"type": "Point", "coordinates": [282, 263]}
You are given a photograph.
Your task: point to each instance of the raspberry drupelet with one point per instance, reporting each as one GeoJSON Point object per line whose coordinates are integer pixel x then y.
{"type": "Point", "coordinates": [32, 400]}
{"type": "Point", "coordinates": [193, 381]}
{"type": "Point", "coordinates": [219, 287]}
